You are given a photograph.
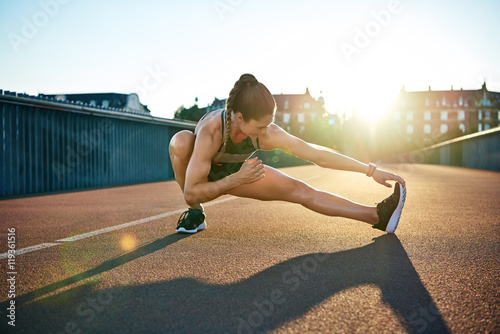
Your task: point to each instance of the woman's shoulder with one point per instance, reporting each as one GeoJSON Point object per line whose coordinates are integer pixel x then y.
{"type": "Point", "coordinates": [274, 130]}
{"type": "Point", "coordinates": [211, 122]}
{"type": "Point", "coordinates": [267, 141]}
{"type": "Point", "coordinates": [212, 117]}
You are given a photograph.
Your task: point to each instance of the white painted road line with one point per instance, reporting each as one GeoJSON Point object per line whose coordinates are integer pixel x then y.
{"type": "Point", "coordinates": [28, 249]}
{"type": "Point", "coordinates": [105, 230]}
{"type": "Point", "coordinates": [117, 227]}
{"type": "Point", "coordinates": [137, 222]}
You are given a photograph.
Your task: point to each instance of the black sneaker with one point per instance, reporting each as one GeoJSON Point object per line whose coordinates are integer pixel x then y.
{"type": "Point", "coordinates": [389, 211]}
{"type": "Point", "coordinates": [191, 221]}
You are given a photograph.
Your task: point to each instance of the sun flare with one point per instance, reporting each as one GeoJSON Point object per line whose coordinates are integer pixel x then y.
{"type": "Point", "coordinates": [128, 242]}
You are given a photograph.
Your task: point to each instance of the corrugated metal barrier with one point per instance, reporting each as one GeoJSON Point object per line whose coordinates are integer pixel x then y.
{"type": "Point", "coordinates": [479, 150]}
{"type": "Point", "coordinates": [49, 145]}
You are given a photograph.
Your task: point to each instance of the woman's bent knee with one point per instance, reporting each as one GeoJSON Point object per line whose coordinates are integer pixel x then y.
{"type": "Point", "coordinates": [182, 137]}
{"type": "Point", "coordinates": [182, 142]}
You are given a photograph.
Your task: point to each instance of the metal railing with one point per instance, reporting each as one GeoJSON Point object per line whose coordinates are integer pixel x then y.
{"type": "Point", "coordinates": [479, 150]}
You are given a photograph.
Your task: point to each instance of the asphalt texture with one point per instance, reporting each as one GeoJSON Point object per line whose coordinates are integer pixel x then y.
{"type": "Point", "coordinates": [271, 267]}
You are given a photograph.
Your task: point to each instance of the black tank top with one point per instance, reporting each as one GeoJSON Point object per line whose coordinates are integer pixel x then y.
{"type": "Point", "coordinates": [228, 152]}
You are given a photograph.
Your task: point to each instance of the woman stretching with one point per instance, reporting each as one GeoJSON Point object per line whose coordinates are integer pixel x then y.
{"type": "Point", "coordinates": [213, 161]}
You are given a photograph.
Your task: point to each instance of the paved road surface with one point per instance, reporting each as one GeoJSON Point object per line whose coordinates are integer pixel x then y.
{"type": "Point", "coordinates": [260, 266]}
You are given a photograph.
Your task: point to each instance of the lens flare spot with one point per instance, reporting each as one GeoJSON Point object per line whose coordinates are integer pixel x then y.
{"type": "Point", "coordinates": [128, 242]}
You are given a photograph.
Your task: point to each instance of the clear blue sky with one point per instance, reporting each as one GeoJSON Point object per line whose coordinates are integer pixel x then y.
{"type": "Point", "coordinates": [173, 51]}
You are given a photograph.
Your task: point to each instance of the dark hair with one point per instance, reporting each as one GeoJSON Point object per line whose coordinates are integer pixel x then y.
{"type": "Point", "coordinates": [251, 98]}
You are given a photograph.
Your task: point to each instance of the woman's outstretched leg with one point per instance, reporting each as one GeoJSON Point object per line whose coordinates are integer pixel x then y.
{"type": "Point", "coordinates": [278, 186]}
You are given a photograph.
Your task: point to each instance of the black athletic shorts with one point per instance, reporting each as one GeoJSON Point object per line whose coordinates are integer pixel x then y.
{"type": "Point", "coordinates": [221, 170]}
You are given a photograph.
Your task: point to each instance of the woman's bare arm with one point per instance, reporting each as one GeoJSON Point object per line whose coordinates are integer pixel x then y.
{"type": "Point", "coordinates": [197, 189]}
{"type": "Point", "coordinates": [276, 137]}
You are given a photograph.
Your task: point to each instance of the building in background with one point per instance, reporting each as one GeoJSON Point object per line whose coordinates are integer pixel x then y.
{"type": "Point", "coordinates": [429, 116]}
{"type": "Point", "coordinates": [297, 110]}
{"type": "Point", "coordinates": [127, 102]}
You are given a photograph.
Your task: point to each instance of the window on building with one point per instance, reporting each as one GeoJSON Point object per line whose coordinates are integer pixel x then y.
{"type": "Point", "coordinates": [313, 116]}
{"type": "Point", "coordinates": [461, 126]}
{"type": "Point", "coordinates": [461, 115]}
{"type": "Point", "coordinates": [499, 115]}
{"type": "Point", "coordinates": [397, 116]}
{"type": "Point", "coordinates": [427, 128]}
{"type": "Point", "coordinates": [444, 128]}
{"type": "Point", "coordinates": [92, 103]}
{"type": "Point", "coordinates": [287, 105]}
{"type": "Point", "coordinates": [480, 127]}
{"type": "Point", "coordinates": [409, 129]}
{"type": "Point", "coordinates": [480, 115]}
{"type": "Point", "coordinates": [437, 103]}
{"type": "Point", "coordinates": [105, 103]}
{"type": "Point", "coordinates": [427, 102]}
{"type": "Point", "coordinates": [485, 101]}
{"type": "Point", "coordinates": [487, 115]}
{"type": "Point", "coordinates": [487, 126]}
{"type": "Point", "coordinates": [444, 115]}
{"type": "Point", "coordinates": [427, 115]}
{"type": "Point", "coordinates": [461, 101]}
{"type": "Point", "coordinates": [300, 118]}
{"type": "Point", "coordinates": [443, 102]}
{"type": "Point", "coordinates": [409, 116]}
{"type": "Point", "coordinates": [307, 105]}
{"type": "Point", "coordinates": [286, 117]}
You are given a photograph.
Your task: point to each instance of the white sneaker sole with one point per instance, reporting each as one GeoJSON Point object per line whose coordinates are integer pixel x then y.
{"type": "Point", "coordinates": [393, 222]}
{"type": "Point", "coordinates": [200, 228]}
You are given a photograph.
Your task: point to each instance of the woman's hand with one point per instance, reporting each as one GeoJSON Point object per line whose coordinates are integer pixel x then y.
{"type": "Point", "coordinates": [381, 176]}
{"type": "Point", "coordinates": [252, 170]}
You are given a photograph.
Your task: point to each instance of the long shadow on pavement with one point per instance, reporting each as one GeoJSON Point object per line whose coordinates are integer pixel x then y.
{"type": "Point", "coordinates": [263, 302]}
{"type": "Point", "coordinates": [103, 267]}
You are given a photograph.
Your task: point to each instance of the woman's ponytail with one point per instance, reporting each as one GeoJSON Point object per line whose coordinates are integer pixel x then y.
{"type": "Point", "coordinates": [251, 98]}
